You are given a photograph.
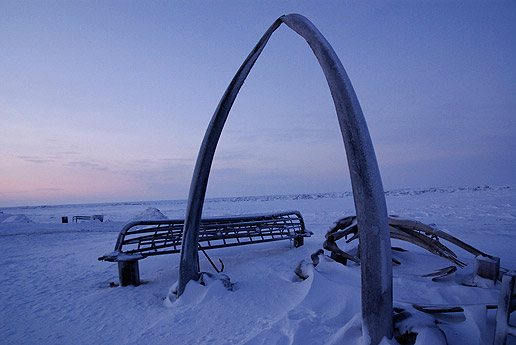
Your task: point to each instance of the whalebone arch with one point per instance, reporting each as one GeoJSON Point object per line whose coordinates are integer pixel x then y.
{"type": "Point", "coordinates": [365, 179]}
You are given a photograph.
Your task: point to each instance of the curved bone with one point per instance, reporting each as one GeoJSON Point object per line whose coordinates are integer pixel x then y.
{"type": "Point", "coordinates": [440, 273]}
{"type": "Point", "coordinates": [332, 247]}
{"type": "Point", "coordinates": [429, 244]}
{"type": "Point", "coordinates": [439, 247]}
{"type": "Point", "coordinates": [338, 234]}
{"type": "Point", "coordinates": [365, 179]}
{"type": "Point", "coordinates": [403, 229]}
{"type": "Point", "coordinates": [412, 224]}
{"type": "Point", "coordinates": [342, 224]}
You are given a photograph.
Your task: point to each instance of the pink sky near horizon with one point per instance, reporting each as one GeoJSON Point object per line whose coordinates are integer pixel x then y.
{"type": "Point", "coordinates": [109, 101]}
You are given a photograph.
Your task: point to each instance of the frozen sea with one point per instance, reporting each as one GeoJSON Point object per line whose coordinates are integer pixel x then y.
{"type": "Point", "coordinates": [54, 290]}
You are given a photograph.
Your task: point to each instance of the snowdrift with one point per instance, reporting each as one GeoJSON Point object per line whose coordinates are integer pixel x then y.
{"type": "Point", "coordinates": [54, 290]}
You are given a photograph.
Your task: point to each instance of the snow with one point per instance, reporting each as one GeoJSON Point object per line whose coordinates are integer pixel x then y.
{"type": "Point", "coordinates": [151, 213]}
{"type": "Point", "coordinates": [14, 218]}
{"type": "Point", "coordinates": [55, 291]}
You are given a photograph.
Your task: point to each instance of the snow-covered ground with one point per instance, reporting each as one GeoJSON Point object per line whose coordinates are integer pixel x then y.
{"type": "Point", "coordinates": [54, 290]}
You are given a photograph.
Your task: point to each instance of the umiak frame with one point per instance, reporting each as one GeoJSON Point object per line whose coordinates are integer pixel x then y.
{"type": "Point", "coordinates": [371, 210]}
{"type": "Point", "coordinates": [143, 238]}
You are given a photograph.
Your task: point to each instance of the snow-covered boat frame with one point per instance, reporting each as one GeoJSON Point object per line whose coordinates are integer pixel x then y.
{"type": "Point", "coordinates": [143, 238]}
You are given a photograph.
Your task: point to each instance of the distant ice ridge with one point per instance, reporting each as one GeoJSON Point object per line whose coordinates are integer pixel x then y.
{"type": "Point", "coordinates": [398, 192]}
{"type": "Point", "coordinates": [305, 196]}
{"type": "Point", "coordinates": [337, 195]}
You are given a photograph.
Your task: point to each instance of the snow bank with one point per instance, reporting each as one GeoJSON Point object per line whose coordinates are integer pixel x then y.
{"type": "Point", "coordinates": [151, 213]}
{"type": "Point", "coordinates": [55, 291]}
{"type": "Point", "coordinates": [14, 218]}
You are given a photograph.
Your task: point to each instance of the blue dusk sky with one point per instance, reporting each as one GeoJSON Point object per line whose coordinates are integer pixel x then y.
{"type": "Point", "coordinates": [109, 100]}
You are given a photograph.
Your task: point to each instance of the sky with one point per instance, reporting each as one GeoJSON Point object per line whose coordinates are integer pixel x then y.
{"type": "Point", "coordinates": [105, 101]}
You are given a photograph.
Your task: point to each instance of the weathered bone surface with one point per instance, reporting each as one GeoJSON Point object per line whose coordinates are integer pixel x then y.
{"type": "Point", "coordinates": [408, 230]}
{"type": "Point", "coordinates": [365, 179]}
{"type": "Point", "coordinates": [427, 229]}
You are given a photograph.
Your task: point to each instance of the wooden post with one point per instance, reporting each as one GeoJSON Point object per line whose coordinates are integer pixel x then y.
{"type": "Point", "coordinates": [486, 268]}
{"type": "Point", "coordinates": [129, 273]}
{"type": "Point", "coordinates": [298, 241]}
{"type": "Point", "coordinates": [369, 198]}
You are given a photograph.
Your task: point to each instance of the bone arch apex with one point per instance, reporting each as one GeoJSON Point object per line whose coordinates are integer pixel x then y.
{"type": "Point", "coordinates": [365, 176]}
